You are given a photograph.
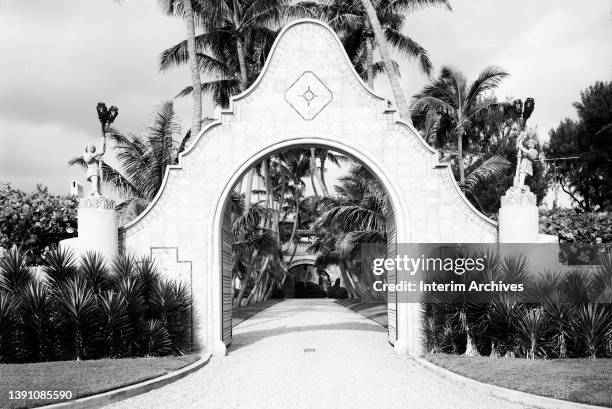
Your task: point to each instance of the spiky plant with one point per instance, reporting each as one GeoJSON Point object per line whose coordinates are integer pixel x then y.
{"type": "Point", "coordinates": [130, 288]}
{"type": "Point", "coordinates": [171, 303]}
{"type": "Point", "coordinates": [93, 270]}
{"type": "Point", "coordinates": [123, 265]}
{"type": "Point", "coordinates": [156, 338]}
{"type": "Point", "coordinates": [148, 276]}
{"type": "Point", "coordinates": [77, 317]}
{"type": "Point", "coordinates": [8, 309]}
{"type": "Point", "coordinates": [59, 266]}
{"type": "Point", "coordinates": [558, 312]}
{"type": "Point", "coordinates": [501, 324]}
{"type": "Point", "coordinates": [602, 283]}
{"type": "Point", "coordinates": [590, 326]}
{"type": "Point", "coordinates": [515, 268]}
{"type": "Point", "coordinates": [577, 287]}
{"type": "Point", "coordinates": [532, 328]}
{"type": "Point", "coordinates": [114, 322]}
{"type": "Point", "coordinates": [35, 335]}
{"type": "Point", "coordinates": [14, 272]}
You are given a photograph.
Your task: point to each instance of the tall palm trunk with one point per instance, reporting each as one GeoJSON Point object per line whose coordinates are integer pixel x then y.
{"type": "Point", "coordinates": [196, 119]}
{"type": "Point", "coordinates": [265, 169]}
{"type": "Point", "coordinates": [350, 287]}
{"type": "Point", "coordinates": [322, 172]}
{"type": "Point", "coordinates": [370, 61]}
{"type": "Point", "coordinates": [296, 219]}
{"type": "Point", "coordinates": [244, 77]}
{"type": "Point", "coordinates": [277, 212]}
{"type": "Point", "coordinates": [296, 197]}
{"type": "Point", "coordinates": [313, 170]}
{"type": "Point", "coordinates": [379, 35]}
{"type": "Point", "coordinates": [264, 288]}
{"type": "Point", "coordinates": [238, 188]}
{"type": "Point", "coordinates": [245, 281]}
{"type": "Point", "coordinates": [262, 272]}
{"type": "Point", "coordinates": [460, 156]}
{"type": "Point", "coordinates": [268, 293]}
{"type": "Point", "coordinates": [249, 191]}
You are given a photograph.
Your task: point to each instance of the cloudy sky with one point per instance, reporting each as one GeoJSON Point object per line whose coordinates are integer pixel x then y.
{"type": "Point", "coordinates": [59, 58]}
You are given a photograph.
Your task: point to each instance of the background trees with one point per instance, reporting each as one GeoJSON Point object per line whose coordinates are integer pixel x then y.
{"type": "Point", "coordinates": [35, 220]}
{"type": "Point", "coordinates": [143, 160]}
{"type": "Point", "coordinates": [586, 179]}
{"type": "Point", "coordinates": [458, 104]}
{"type": "Point", "coordinates": [185, 9]}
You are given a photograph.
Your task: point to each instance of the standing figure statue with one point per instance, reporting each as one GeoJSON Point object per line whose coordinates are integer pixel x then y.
{"type": "Point", "coordinates": [93, 161]}
{"type": "Point", "coordinates": [526, 156]}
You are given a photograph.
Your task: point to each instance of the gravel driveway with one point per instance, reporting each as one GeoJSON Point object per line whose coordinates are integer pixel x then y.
{"type": "Point", "coordinates": [352, 366]}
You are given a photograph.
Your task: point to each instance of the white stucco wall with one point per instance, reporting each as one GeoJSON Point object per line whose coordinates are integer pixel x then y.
{"type": "Point", "coordinates": [186, 214]}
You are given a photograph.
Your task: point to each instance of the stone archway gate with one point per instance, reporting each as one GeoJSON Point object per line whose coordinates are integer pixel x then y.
{"type": "Point", "coordinates": [308, 94]}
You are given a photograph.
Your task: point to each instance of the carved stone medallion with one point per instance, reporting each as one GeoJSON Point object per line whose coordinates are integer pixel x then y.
{"type": "Point", "coordinates": [308, 95]}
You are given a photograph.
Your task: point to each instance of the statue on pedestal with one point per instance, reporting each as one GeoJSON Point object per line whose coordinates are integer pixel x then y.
{"type": "Point", "coordinates": [525, 158]}
{"type": "Point", "coordinates": [94, 160]}
{"type": "Point", "coordinates": [94, 166]}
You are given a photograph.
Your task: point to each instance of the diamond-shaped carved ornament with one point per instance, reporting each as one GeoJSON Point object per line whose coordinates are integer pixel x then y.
{"type": "Point", "coordinates": [308, 95]}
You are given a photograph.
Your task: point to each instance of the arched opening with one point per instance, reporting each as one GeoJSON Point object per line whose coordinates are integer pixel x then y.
{"type": "Point", "coordinates": [313, 273]}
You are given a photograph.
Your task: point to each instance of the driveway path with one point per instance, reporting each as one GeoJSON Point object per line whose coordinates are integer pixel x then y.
{"type": "Point", "coordinates": [352, 367]}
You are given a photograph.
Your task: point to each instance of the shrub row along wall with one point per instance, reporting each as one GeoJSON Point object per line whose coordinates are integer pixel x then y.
{"type": "Point", "coordinates": [89, 310]}
{"type": "Point", "coordinates": [574, 318]}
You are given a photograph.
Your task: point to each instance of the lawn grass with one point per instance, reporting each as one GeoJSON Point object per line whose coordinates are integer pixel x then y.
{"type": "Point", "coordinates": [82, 378]}
{"type": "Point", "coordinates": [576, 379]}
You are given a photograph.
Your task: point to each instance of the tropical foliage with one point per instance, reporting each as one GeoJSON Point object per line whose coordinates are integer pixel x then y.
{"type": "Point", "coordinates": [350, 20]}
{"type": "Point", "coordinates": [572, 226]}
{"type": "Point", "coordinates": [143, 160]}
{"type": "Point", "coordinates": [34, 220]}
{"type": "Point", "coordinates": [568, 314]}
{"type": "Point", "coordinates": [233, 47]}
{"type": "Point", "coordinates": [352, 221]}
{"type": "Point", "coordinates": [588, 142]}
{"type": "Point", "coordinates": [457, 104]}
{"type": "Point", "coordinates": [89, 310]}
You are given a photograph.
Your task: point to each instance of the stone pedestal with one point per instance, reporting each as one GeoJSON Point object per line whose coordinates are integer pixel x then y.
{"type": "Point", "coordinates": [519, 224]}
{"type": "Point", "coordinates": [518, 217]}
{"type": "Point", "coordinates": [97, 227]}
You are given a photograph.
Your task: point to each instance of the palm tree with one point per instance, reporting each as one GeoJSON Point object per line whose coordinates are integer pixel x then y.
{"type": "Point", "coordinates": [233, 47]}
{"type": "Point", "coordinates": [143, 159]}
{"type": "Point", "coordinates": [186, 10]}
{"type": "Point", "coordinates": [350, 20]}
{"type": "Point", "coordinates": [379, 35]}
{"type": "Point", "coordinates": [240, 19]}
{"type": "Point", "coordinates": [364, 24]}
{"type": "Point", "coordinates": [355, 217]}
{"type": "Point", "coordinates": [451, 96]}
